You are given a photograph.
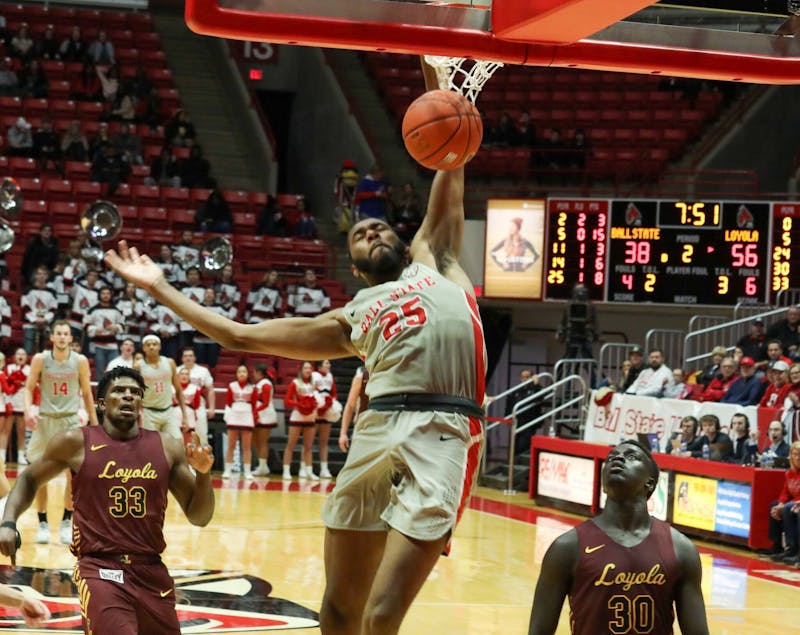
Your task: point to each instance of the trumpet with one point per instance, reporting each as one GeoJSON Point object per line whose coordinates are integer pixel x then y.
{"type": "Point", "coordinates": [10, 205]}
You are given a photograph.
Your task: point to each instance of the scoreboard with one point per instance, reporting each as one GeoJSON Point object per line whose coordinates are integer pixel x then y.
{"type": "Point", "coordinates": [672, 251]}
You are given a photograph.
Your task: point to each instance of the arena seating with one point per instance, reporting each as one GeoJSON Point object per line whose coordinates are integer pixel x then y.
{"type": "Point", "coordinates": [633, 128]}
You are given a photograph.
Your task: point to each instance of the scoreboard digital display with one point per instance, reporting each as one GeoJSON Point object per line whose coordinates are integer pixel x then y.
{"type": "Point", "coordinates": [712, 252]}
{"type": "Point", "coordinates": [687, 252]}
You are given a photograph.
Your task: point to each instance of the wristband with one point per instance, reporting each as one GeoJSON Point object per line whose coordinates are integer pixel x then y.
{"type": "Point", "coordinates": [10, 524]}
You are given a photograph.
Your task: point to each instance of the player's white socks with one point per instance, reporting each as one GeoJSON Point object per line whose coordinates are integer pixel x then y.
{"type": "Point", "coordinates": [3, 456]}
{"type": "Point", "coordinates": [262, 466]}
{"type": "Point", "coordinates": [307, 471]}
{"type": "Point", "coordinates": [324, 472]}
{"type": "Point", "coordinates": [248, 473]}
{"type": "Point", "coordinates": [287, 472]}
{"type": "Point", "coordinates": [227, 471]}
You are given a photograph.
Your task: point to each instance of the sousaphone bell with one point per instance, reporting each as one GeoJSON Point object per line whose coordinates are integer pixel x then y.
{"type": "Point", "coordinates": [101, 221]}
{"type": "Point", "coordinates": [10, 206]}
{"type": "Point", "coordinates": [215, 254]}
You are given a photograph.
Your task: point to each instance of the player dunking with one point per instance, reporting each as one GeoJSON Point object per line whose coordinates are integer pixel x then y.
{"type": "Point", "coordinates": [415, 449]}
{"type": "Point", "coordinates": [63, 378]}
{"type": "Point", "coordinates": [622, 570]}
{"type": "Point", "coordinates": [121, 476]}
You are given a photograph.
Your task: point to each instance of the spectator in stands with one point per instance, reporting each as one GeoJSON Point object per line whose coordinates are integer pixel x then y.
{"type": "Point", "coordinates": [47, 47]}
{"type": "Point", "coordinates": [636, 358]}
{"type": "Point", "coordinates": [84, 295]}
{"type": "Point", "coordinates": [102, 324]}
{"type": "Point", "coordinates": [215, 214]}
{"type": "Point", "coordinates": [308, 298]}
{"type": "Point", "coordinates": [140, 83]}
{"type": "Point", "coordinates": [344, 192]}
{"type": "Point", "coordinates": [41, 251]}
{"type": "Point", "coordinates": [528, 412]}
{"type": "Point", "coordinates": [372, 195]}
{"type": "Point", "coordinates": [207, 349]}
{"type": "Point", "coordinates": [74, 144]}
{"type": "Point", "coordinates": [21, 44]}
{"type": "Point", "coordinates": [195, 170]}
{"type": "Point", "coordinates": [125, 358]}
{"type": "Point", "coordinates": [124, 108]}
{"type": "Point", "coordinates": [552, 155]}
{"type": "Point", "coordinates": [128, 145]}
{"type": "Point", "coordinates": [264, 301]}
{"type": "Point", "coordinates": [33, 81]}
{"type": "Point", "coordinates": [195, 291]}
{"type": "Point", "coordinates": [173, 272]}
{"type": "Point", "coordinates": [101, 141]}
{"type": "Point", "coordinates": [784, 513]}
{"type": "Point", "coordinates": [227, 290]}
{"type": "Point", "coordinates": [179, 129]}
{"type": "Point", "coordinates": [39, 305]}
{"type": "Point", "coordinates": [109, 82]}
{"type": "Point", "coordinates": [745, 390]}
{"type": "Point", "coordinates": [108, 167]}
{"type": "Point", "coordinates": [46, 147]}
{"type": "Point", "coordinates": [579, 145]}
{"type": "Point", "coordinates": [164, 170]}
{"type": "Point", "coordinates": [505, 133]}
{"type": "Point", "coordinates": [624, 369]}
{"type": "Point", "coordinates": [165, 324]}
{"type": "Point", "coordinates": [101, 51]}
{"type": "Point", "coordinates": [652, 381]}
{"type": "Point", "coordinates": [685, 440]}
{"type": "Point", "coordinates": [716, 390]}
{"type": "Point", "coordinates": [778, 387]}
{"type": "Point", "coordinates": [712, 369]}
{"type": "Point", "coordinates": [134, 313]}
{"type": "Point", "coordinates": [73, 48]}
{"type": "Point", "coordinates": [5, 335]}
{"type": "Point", "coordinates": [407, 212]}
{"type": "Point", "coordinates": [777, 446]}
{"type": "Point", "coordinates": [754, 344]}
{"type": "Point", "coordinates": [745, 442]}
{"type": "Point", "coordinates": [526, 130]}
{"type": "Point", "coordinates": [9, 82]}
{"type": "Point", "coordinates": [272, 221]}
{"type": "Point", "coordinates": [719, 443]}
{"type": "Point", "coordinates": [306, 227]}
{"type": "Point", "coordinates": [186, 253]}
{"type": "Point", "coordinates": [19, 140]}
{"type": "Point", "coordinates": [88, 86]}
{"type": "Point", "coordinates": [786, 330]}
{"type": "Point", "coordinates": [775, 352]}
{"type": "Point", "coordinates": [678, 388]}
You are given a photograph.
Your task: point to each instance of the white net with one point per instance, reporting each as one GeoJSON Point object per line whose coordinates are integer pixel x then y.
{"type": "Point", "coordinates": [461, 74]}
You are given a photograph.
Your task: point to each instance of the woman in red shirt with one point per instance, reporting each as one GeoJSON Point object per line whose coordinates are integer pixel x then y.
{"type": "Point", "coordinates": [784, 514]}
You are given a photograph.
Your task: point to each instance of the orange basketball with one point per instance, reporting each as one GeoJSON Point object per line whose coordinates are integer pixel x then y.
{"type": "Point", "coordinates": [442, 130]}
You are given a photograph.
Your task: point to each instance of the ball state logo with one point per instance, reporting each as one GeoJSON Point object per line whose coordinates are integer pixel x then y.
{"type": "Point", "coordinates": [633, 217]}
{"type": "Point", "coordinates": [207, 602]}
{"type": "Point", "coordinates": [744, 218]}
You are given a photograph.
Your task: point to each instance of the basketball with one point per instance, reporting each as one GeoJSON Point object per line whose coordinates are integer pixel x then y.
{"type": "Point", "coordinates": [442, 130]}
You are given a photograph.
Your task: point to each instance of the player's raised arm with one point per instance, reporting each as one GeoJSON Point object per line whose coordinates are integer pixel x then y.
{"type": "Point", "coordinates": [327, 335]}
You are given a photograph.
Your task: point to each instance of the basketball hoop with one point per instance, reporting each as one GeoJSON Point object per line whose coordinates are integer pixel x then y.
{"type": "Point", "coordinates": [461, 74]}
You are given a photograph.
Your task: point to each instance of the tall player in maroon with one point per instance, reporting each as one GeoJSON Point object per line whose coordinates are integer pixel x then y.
{"type": "Point", "coordinates": [121, 474]}
{"type": "Point", "coordinates": [622, 570]}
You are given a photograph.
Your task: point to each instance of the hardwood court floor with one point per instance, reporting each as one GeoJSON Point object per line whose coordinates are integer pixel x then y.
{"type": "Point", "coordinates": [272, 530]}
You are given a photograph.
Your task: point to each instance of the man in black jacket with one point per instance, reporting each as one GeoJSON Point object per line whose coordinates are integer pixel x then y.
{"type": "Point", "coordinates": [42, 250]}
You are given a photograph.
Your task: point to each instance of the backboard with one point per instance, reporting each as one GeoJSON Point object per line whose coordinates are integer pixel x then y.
{"type": "Point", "coordinates": [731, 40]}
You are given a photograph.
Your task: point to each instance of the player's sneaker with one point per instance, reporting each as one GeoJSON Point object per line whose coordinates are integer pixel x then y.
{"type": "Point", "coordinates": [42, 534]}
{"type": "Point", "coordinates": [65, 532]}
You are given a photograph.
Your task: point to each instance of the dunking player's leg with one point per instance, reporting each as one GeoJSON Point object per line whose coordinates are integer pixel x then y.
{"type": "Point", "coordinates": [405, 566]}
{"type": "Point", "coordinates": [351, 562]}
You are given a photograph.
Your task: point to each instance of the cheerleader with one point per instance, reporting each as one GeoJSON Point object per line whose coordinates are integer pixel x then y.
{"type": "Point", "coordinates": [4, 403]}
{"type": "Point", "coordinates": [300, 398]}
{"type": "Point", "coordinates": [239, 420]}
{"type": "Point", "coordinates": [193, 396]}
{"type": "Point", "coordinates": [16, 375]}
{"type": "Point", "coordinates": [329, 409]}
{"type": "Point", "coordinates": [266, 417]}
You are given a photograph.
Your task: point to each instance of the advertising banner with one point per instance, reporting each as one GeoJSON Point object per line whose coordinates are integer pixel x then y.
{"type": "Point", "coordinates": [628, 415]}
{"type": "Point", "coordinates": [733, 508]}
{"type": "Point", "coordinates": [568, 478]}
{"type": "Point", "coordinates": [695, 502]}
{"type": "Point", "coordinates": [513, 260]}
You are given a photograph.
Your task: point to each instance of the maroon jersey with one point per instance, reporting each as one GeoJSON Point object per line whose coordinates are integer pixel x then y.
{"type": "Point", "coordinates": [620, 590]}
{"type": "Point", "coordinates": [120, 494]}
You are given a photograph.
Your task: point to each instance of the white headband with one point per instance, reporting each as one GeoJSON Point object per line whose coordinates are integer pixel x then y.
{"type": "Point", "coordinates": [151, 338]}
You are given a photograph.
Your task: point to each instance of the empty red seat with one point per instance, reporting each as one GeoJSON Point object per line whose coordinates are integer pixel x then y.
{"type": "Point", "coordinates": [87, 192]}
{"type": "Point", "coordinates": [239, 200]}
{"type": "Point", "coordinates": [175, 196]}
{"type": "Point", "coordinates": [182, 218]}
{"type": "Point", "coordinates": [154, 217]}
{"type": "Point", "coordinates": [64, 211]}
{"type": "Point", "coordinates": [34, 207]}
{"type": "Point", "coordinates": [62, 108]}
{"type": "Point", "coordinates": [23, 167]}
{"type": "Point", "coordinates": [146, 194]}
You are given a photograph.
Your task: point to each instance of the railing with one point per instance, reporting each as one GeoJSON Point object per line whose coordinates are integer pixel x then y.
{"type": "Point", "coordinates": [697, 345]}
{"type": "Point", "coordinates": [750, 309]}
{"type": "Point", "coordinates": [611, 357]}
{"type": "Point", "coordinates": [699, 322]}
{"type": "Point", "coordinates": [788, 297]}
{"type": "Point", "coordinates": [670, 342]}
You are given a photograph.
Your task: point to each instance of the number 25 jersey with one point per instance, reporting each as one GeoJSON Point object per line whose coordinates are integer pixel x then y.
{"type": "Point", "coordinates": [420, 333]}
{"type": "Point", "coordinates": [620, 590]}
{"type": "Point", "coordinates": [120, 494]}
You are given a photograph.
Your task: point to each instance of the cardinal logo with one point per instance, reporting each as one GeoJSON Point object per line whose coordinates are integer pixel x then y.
{"type": "Point", "coordinates": [206, 602]}
{"type": "Point", "coordinates": [167, 318]}
{"type": "Point", "coordinates": [84, 303]}
{"type": "Point", "coordinates": [107, 324]}
{"type": "Point", "coordinates": [633, 217]}
{"type": "Point", "coordinates": [39, 305]}
{"type": "Point", "coordinates": [744, 218]}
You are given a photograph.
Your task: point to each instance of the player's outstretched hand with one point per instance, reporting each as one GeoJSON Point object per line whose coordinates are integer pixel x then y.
{"type": "Point", "coordinates": [34, 611]}
{"type": "Point", "coordinates": [133, 266]}
{"type": "Point", "coordinates": [199, 456]}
